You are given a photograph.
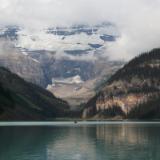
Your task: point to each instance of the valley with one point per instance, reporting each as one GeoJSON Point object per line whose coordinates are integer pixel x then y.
{"type": "Point", "coordinates": [70, 64]}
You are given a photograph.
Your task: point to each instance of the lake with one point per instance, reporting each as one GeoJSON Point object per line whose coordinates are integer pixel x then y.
{"type": "Point", "coordinates": [82, 141]}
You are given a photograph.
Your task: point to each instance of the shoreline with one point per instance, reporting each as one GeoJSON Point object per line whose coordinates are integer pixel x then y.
{"type": "Point", "coordinates": [70, 123]}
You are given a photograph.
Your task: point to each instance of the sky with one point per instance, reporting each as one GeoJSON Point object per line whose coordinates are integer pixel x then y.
{"type": "Point", "coordinates": [138, 21]}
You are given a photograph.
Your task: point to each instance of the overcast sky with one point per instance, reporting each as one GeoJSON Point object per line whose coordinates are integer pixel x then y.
{"type": "Point", "coordinates": [138, 21]}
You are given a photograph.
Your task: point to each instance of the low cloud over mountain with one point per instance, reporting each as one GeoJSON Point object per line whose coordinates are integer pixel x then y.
{"type": "Point", "coordinates": [137, 21]}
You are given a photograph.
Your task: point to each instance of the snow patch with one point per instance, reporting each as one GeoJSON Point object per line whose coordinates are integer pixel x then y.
{"type": "Point", "coordinates": [71, 80]}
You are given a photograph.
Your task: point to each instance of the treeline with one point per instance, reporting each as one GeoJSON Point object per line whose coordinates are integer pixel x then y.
{"type": "Point", "coordinates": [5, 98]}
{"type": "Point", "coordinates": [145, 57]}
{"type": "Point", "coordinates": [148, 110]}
{"type": "Point", "coordinates": [139, 72]}
{"type": "Point", "coordinates": [134, 68]}
{"type": "Point", "coordinates": [112, 112]}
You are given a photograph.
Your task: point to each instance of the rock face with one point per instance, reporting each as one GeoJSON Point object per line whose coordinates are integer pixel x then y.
{"type": "Point", "coordinates": [132, 92]}
{"type": "Point", "coordinates": [21, 64]}
{"type": "Point", "coordinates": [125, 102]}
{"type": "Point", "coordinates": [20, 100]}
{"type": "Point", "coordinates": [64, 52]}
{"type": "Point", "coordinates": [61, 53]}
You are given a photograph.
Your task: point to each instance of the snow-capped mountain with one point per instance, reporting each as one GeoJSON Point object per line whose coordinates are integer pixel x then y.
{"type": "Point", "coordinates": [81, 37]}
{"type": "Point", "coordinates": [74, 40]}
{"type": "Point", "coordinates": [65, 52]}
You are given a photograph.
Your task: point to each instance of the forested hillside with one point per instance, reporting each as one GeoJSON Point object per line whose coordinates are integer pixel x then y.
{"type": "Point", "coordinates": [132, 92]}
{"type": "Point", "coordinates": [20, 100]}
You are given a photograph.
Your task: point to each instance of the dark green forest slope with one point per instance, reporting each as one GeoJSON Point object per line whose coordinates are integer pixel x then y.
{"type": "Point", "coordinates": [20, 100]}
{"type": "Point", "coordinates": [132, 92]}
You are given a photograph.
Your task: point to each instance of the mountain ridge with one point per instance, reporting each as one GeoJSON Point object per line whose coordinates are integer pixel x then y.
{"type": "Point", "coordinates": [21, 100]}
{"type": "Point", "coordinates": [129, 90]}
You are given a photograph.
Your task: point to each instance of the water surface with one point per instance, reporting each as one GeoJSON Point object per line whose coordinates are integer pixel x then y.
{"type": "Point", "coordinates": [82, 141]}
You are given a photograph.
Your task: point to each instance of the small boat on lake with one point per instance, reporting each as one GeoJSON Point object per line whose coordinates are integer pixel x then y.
{"type": "Point", "coordinates": [75, 122]}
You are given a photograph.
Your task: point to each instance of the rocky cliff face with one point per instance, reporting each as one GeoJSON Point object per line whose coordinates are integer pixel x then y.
{"type": "Point", "coordinates": [21, 64]}
{"type": "Point", "coordinates": [61, 53]}
{"type": "Point", "coordinates": [64, 52]}
{"type": "Point", "coordinates": [129, 90]}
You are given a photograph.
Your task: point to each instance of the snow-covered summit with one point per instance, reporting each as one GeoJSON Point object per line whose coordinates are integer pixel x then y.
{"type": "Point", "coordinates": [71, 41]}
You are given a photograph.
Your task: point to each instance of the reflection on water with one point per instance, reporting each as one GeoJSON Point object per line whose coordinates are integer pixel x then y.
{"type": "Point", "coordinates": [130, 142]}
{"type": "Point", "coordinates": [92, 142]}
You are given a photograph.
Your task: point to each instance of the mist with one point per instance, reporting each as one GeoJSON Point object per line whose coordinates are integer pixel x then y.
{"type": "Point", "coordinates": [137, 21]}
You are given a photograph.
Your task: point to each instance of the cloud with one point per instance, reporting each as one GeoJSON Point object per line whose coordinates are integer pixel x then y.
{"type": "Point", "coordinates": [139, 27]}
{"type": "Point", "coordinates": [137, 21]}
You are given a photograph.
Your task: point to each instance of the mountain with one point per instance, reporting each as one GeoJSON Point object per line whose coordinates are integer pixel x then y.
{"type": "Point", "coordinates": [132, 92]}
{"type": "Point", "coordinates": [21, 100]}
{"type": "Point", "coordinates": [62, 53]}
{"type": "Point", "coordinates": [21, 64]}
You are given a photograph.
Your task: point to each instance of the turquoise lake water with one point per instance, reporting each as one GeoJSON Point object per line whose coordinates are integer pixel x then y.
{"type": "Point", "coordinates": [82, 141]}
